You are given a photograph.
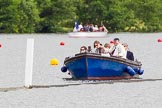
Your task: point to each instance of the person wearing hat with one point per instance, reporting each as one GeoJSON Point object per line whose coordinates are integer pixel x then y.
{"type": "Point", "coordinates": [129, 54]}
{"type": "Point", "coordinates": [118, 49]}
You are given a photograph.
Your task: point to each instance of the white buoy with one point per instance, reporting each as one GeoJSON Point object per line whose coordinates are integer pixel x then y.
{"type": "Point", "coordinates": [29, 63]}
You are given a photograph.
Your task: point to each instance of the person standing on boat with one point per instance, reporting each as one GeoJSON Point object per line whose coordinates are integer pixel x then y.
{"type": "Point", "coordinates": [118, 49]}
{"type": "Point", "coordinates": [129, 54]}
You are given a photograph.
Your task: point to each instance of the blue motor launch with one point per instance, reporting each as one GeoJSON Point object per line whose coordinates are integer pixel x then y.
{"type": "Point", "coordinates": [94, 66]}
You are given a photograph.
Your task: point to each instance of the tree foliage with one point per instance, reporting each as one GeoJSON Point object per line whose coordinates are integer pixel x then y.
{"type": "Point", "coordinates": [52, 16]}
{"type": "Point", "coordinates": [18, 16]}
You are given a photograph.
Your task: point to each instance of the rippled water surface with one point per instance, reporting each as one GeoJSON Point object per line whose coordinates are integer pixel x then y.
{"type": "Point", "coordinates": [146, 94]}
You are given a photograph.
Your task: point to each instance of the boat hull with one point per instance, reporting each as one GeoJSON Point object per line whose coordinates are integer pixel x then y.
{"type": "Point", "coordinates": [87, 34]}
{"type": "Point", "coordinates": [92, 66]}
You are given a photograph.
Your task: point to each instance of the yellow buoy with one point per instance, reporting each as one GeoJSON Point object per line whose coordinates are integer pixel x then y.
{"type": "Point", "coordinates": [54, 62]}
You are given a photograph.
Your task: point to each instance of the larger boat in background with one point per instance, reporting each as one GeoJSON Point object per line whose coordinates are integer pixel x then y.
{"type": "Point", "coordinates": [92, 66]}
{"type": "Point", "coordinates": [88, 31]}
{"type": "Point", "coordinates": [87, 34]}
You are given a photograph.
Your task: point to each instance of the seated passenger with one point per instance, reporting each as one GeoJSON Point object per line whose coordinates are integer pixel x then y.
{"type": "Point", "coordinates": [103, 28]}
{"type": "Point", "coordinates": [95, 44]}
{"type": "Point", "coordinates": [86, 28]}
{"type": "Point", "coordinates": [106, 50]}
{"type": "Point", "coordinates": [95, 29]}
{"type": "Point", "coordinates": [80, 26]}
{"type": "Point", "coordinates": [129, 54]}
{"type": "Point", "coordinates": [107, 47]}
{"type": "Point", "coordinates": [83, 49]}
{"type": "Point", "coordinates": [98, 47]}
{"type": "Point", "coordinates": [82, 30]}
{"type": "Point", "coordinates": [89, 49]}
{"type": "Point", "coordinates": [91, 27]}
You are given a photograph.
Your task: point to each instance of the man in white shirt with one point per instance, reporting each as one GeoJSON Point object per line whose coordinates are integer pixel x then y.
{"type": "Point", "coordinates": [118, 49]}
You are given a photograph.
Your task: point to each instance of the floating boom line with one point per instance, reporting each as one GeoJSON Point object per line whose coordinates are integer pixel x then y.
{"type": "Point", "coordinates": [82, 82]}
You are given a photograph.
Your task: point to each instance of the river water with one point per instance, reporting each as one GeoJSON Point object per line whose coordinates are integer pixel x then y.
{"type": "Point", "coordinates": [146, 94]}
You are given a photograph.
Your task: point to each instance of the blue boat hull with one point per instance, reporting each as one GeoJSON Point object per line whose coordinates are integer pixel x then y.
{"type": "Point", "coordinates": [94, 66]}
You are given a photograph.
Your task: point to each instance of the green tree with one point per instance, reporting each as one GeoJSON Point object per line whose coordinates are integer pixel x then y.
{"type": "Point", "coordinates": [18, 16]}
{"type": "Point", "coordinates": [147, 15]}
{"type": "Point", "coordinates": [56, 15]}
{"type": "Point", "coordinates": [29, 16]}
{"type": "Point", "coordinates": [149, 11]}
{"type": "Point", "coordinates": [8, 16]}
{"type": "Point", "coordinates": [91, 11]}
{"type": "Point", "coordinates": [119, 16]}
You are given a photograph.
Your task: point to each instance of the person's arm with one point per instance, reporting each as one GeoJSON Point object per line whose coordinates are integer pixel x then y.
{"type": "Point", "coordinates": [105, 29]}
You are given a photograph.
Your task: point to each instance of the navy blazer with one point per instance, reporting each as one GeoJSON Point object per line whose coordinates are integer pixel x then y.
{"type": "Point", "coordinates": [130, 55]}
